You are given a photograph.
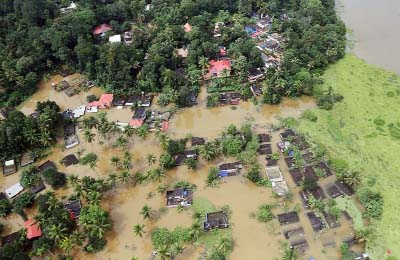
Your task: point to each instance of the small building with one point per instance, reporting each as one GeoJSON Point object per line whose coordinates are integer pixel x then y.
{"type": "Point", "coordinates": [345, 188]}
{"type": "Point", "coordinates": [315, 221]}
{"type": "Point", "coordinates": [9, 167]}
{"type": "Point", "coordinates": [286, 134]}
{"type": "Point", "coordinates": [334, 191]}
{"type": "Point", "coordinates": [255, 74]}
{"type": "Point", "coordinates": [33, 229]}
{"type": "Point", "coordinates": [274, 173]}
{"type": "Point", "coordinates": [265, 149]}
{"type": "Point", "coordinates": [26, 159]}
{"type": "Point", "coordinates": [318, 193]}
{"type": "Point", "coordinates": [235, 98]}
{"type": "Point", "coordinates": [218, 68]}
{"type": "Point", "coordinates": [105, 101]}
{"type": "Point", "coordinates": [187, 27]}
{"type": "Point", "coordinates": [47, 165]}
{"type": "Point", "coordinates": [300, 245]}
{"type": "Point", "coordinates": [72, 6]}
{"type": "Point", "coordinates": [14, 190]}
{"type": "Point", "coordinates": [118, 101]}
{"type": "Point", "coordinates": [294, 232]}
{"type": "Point", "coordinates": [214, 220]}
{"type": "Point", "coordinates": [69, 160]}
{"type": "Point", "coordinates": [74, 208]}
{"type": "Point", "coordinates": [280, 187]}
{"type": "Point", "coordinates": [128, 37]}
{"type": "Point", "coordinates": [71, 141]}
{"type": "Point", "coordinates": [288, 218]}
{"type": "Point", "coordinates": [181, 158]}
{"type": "Point", "coordinates": [140, 113]}
{"type": "Point", "coordinates": [297, 176]}
{"type": "Point", "coordinates": [179, 197]}
{"type": "Point", "coordinates": [38, 187]}
{"type": "Point", "coordinates": [308, 172]}
{"type": "Point", "coordinates": [256, 90]}
{"type": "Point", "coordinates": [115, 38]}
{"type": "Point", "coordinates": [79, 111]}
{"type": "Point", "coordinates": [264, 138]}
{"type": "Point", "coordinates": [198, 141]}
{"type": "Point", "coordinates": [101, 29]}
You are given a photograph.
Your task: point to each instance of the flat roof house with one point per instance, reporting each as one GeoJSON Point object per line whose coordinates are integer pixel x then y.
{"type": "Point", "coordinates": [217, 68]}
{"type": "Point", "coordinates": [179, 197]}
{"type": "Point", "coordinates": [280, 187]}
{"type": "Point", "coordinates": [39, 186]}
{"type": "Point", "coordinates": [9, 167]}
{"type": "Point", "coordinates": [214, 220]}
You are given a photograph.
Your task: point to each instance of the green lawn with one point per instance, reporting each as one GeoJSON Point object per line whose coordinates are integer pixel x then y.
{"type": "Point", "coordinates": [364, 130]}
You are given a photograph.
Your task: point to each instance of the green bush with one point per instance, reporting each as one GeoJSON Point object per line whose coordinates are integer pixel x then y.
{"type": "Point", "coordinates": [309, 184]}
{"type": "Point", "coordinates": [5, 207]}
{"type": "Point", "coordinates": [264, 213]}
{"type": "Point", "coordinates": [29, 177]}
{"type": "Point", "coordinates": [372, 201]}
{"type": "Point", "coordinates": [95, 244]}
{"type": "Point", "coordinates": [254, 174]}
{"type": "Point", "coordinates": [23, 201]}
{"type": "Point", "coordinates": [309, 115]}
{"type": "Point", "coordinates": [213, 176]}
{"type": "Point", "coordinates": [54, 178]}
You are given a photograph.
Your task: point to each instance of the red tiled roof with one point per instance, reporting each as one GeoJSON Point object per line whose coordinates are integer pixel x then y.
{"type": "Point", "coordinates": [187, 27]}
{"type": "Point", "coordinates": [104, 101]}
{"type": "Point", "coordinates": [33, 229]}
{"type": "Point", "coordinates": [216, 67]}
{"type": "Point", "coordinates": [135, 123]}
{"type": "Point", "coordinates": [222, 51]}
{"type": "Point", "coordinates": [165, 126]}
{"type": "Point", "coordinates": [102, 28]}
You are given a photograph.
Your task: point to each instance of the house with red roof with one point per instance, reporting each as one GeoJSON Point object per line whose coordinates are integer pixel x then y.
{"type": "Point", "coordinates": [105, 101]}
{"type": "Point", "coordinates": [216, 69]}
{"type": "Point", "coordinates": [101, 29]}
{"type": "Point", "coordinates": [187, 27]}
{"type": "Point", "coordinates": [32, 228]}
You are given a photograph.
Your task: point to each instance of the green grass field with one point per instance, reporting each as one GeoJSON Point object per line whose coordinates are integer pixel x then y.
{"type": "Point", "coordinates": [364, 130]}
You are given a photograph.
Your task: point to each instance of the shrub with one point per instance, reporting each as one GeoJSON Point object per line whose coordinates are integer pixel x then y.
{"type": "Point", "coordinates": [264, 213]}
{"type": "Point", "coordinates": [213, 176]}
{"type": "Point", "coordinates": [191, 163]}
{"type": "Point", "coordinates": [29, 177]}
{"type": "Point", "coordinates": [54, 178]}
{"type": "Point", "coordinates": [373, 203]}
{"type": "Point", "coordinates": [5, 207]}
{"type": "Point", "coordinates": [24, 200]}
{"type": "Point", "coordinates": [166, 161]}
{"type": "Point", "coordinates": [309, 115]}
{"type": "Point", "coordinates": [254, 174]}
{"type": "Point", "coordinates": [95, 244]}
{"type": "Point", "coordinates": [177, 146]}
{"type": "Point", "coordinates": [212, 100]}
{"type": "Point", "coordinates": [309, 184]}
{"type": "Point", "coordinates": [91, 98]}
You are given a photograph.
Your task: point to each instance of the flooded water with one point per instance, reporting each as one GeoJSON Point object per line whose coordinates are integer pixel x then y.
{"type": "Point", "coordinates": [374, 25]}
{"type": "Point", "coordinates": [252, 240]}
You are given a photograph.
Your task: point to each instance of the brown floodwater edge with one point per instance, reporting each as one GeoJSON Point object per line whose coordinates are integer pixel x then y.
{"type": "Point", "coordinates": [252, 240]}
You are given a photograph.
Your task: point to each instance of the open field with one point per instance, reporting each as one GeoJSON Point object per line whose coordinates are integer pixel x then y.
{"type": "Point", "coordinates": [364, 130]}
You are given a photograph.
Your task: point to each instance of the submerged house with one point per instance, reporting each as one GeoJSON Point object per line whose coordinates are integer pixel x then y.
{"type": "Point", "coordinates": [179, 197]}
{"type": "Point", "coordinates": [138, 117]}
{"type": "Point", "coordinates": [255, 74]}
{"type": "Point", "coordinates": [70, 137]}
{"type": "Point", "coordinates": [9, 167]}
{"type": "Point", "coordinates": [33, 229]}
{"type": "Point", "coordinates": [256, 90]}
{"type": "Point", "coordinates": [230, 169]}
{"type": "Point", "coordinates": [288, 218]}
{"type": "Point", "coordinates": [118, 101]}
{"type": "Point", "coordinates": [105, 101]}
{"type": "Point", "coordinates": [214, 220]}
{"type": "Point", "coordinates": [274, 173]}
{"type": "Point", "coordinates": [315, 221]}
{"type": "Point", "coordinates": [198, 141]}
{"type": "Point", "coordinates": [181, 158]}
{"type": "Point", "coordinates": [69, 160]}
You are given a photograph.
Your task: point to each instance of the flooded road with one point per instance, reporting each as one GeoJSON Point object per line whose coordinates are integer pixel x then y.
{"type": "Point", "coordinates": [252, 240]}
{"type": "Point", "coordinates": [374, 25]}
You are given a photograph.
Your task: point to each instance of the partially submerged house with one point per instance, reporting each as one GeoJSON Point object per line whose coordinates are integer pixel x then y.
{"type": "Point", "coordinates": [26, 159]}
{"type": "Point", "coordinates": [297, 176]}
{"type": "Point", "coordinates": [300, 245]}
{"type": "Point", "coordinates": [217, 29]}
{"type": "Point", "coordinates": [345, 188]}
{"type": "Point", "coordinates": [264, 138]}
{"type": "Point", "coordinates": [256, 90]}
{"type": "Point", "coordinates": [271, 162]}
{"type": "Point", "coordinates": [118, 101]}
{"type": "Point", "coordinates": [69, 160]}
{"type": "Point", "coordinates": [315, 221]}
{"type": "Point", "coordinates": [79, 111]}
{"type": "Point", "coordinates": [308, 158]}
{"type": "Point", "coordinates": [38, 187]}
{"type": "Point", "coordinates": [331, 220]}
{"type": "Point", "coordinates": [9, 167]}
{"type": "Point", "coordinates": [265, 149]}
{"type": "Point", "coordinates": [334, 191]}
{"type": "Point", "coordinates": [323, 166]}
{"type": "Point", "coordinates": [72, 6]}
{"type": "Point", "coordinates": [286, 134]}
{"type": "Point", "coordinates": [47, 165]}
{"type": "Point", "coordinates": [70, 137]}
{"type": "Point", "coordinates": [105, 101]}
{"type": "Point", "coordinates": [214, 220]}
{"type": "Point", "coordinates": [198, 141]}
{"type": "Point", "coordinates": [181, 158]}
{"type": "Point", "coordinates": [294, 232]}
{"type": "Point", "coordinates": [255, 74]}
{"type": "Point", "coordinates": [274, 174]}
{"type": "Point", "coordinates": [74, 208]}
{"type": "Point", "coordinates": [219, 68]}
{"type": "Point", "coordinates": [290, 162]}
{"type": "Point", "coordinates": [138, 117]}
{"type": "Point", "coordinates": [308, 172]}
{"type": "Point", "coordinates": [33, 229]}
{"type": "Point", "coordinates": [288, 218]}
{"type": "Point", "coordinates": [179, 197]}
{"type": "Point", "coordinates": [14, 190]}
{"type": "Point", "coordinates": [230, 169]}
{"type": "Point", "coordinates": [280, 187]}
{"type": "Point", "coordinates": [101, 29]}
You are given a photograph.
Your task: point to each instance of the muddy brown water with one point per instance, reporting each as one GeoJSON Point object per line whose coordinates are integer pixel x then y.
{"type": "Point", "coordinates": [252, 240]}
{"type": "Point", "coordinates": [374, 28]}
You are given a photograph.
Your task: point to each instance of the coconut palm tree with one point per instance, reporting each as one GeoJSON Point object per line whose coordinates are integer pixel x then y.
{"type": "Point", "coordinates": [94, 197]}
{"type": "Point", "coordinates": [195, 231]}
{"type": "Point", "coordinates": [177, 248]}
{"type": "Point", "coordinates": [125, 177]}
{"type": "Point", "coordinates": [224, 245]}
{"type": "Point", "coordinates": [146, 212]}
{"type": "Point", "coordinates": [67, 244]}
{"type": "Point", "coordinates": [73, 179]}
{"type": "Point", "coordinates": [151, 159]}
{"type": "Point", "coordinates": [156, 174]}
{"type": "Point", "coordinates": [163, 139]}
{"type": "Point", "coordinates": [129, 131]}
{"type": "Point", "coordinates": [121, 141]}
{"type": "Point", "coordinates": [203, 62]}
{"type": "Point", "coordinates": [115, 160]}
{"type": "Point", "coordinates": [163, 252]}
{"type": "Point", "coordinates": [143, 131]}
{"type": "Point", "coordinates": [127, 160]}
{"type": "Point", "coordinates": [112, 179]}
{"type": "Point", "coordinates": [57, 232]}
{"type": "Point", "coordinates": [88, 136]}
{"type": "Point", "coordinates": [138, 230]}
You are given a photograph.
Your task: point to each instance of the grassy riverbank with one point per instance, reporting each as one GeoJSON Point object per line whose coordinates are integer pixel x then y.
{"type": "Point", "coordinates": [364, 130]}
